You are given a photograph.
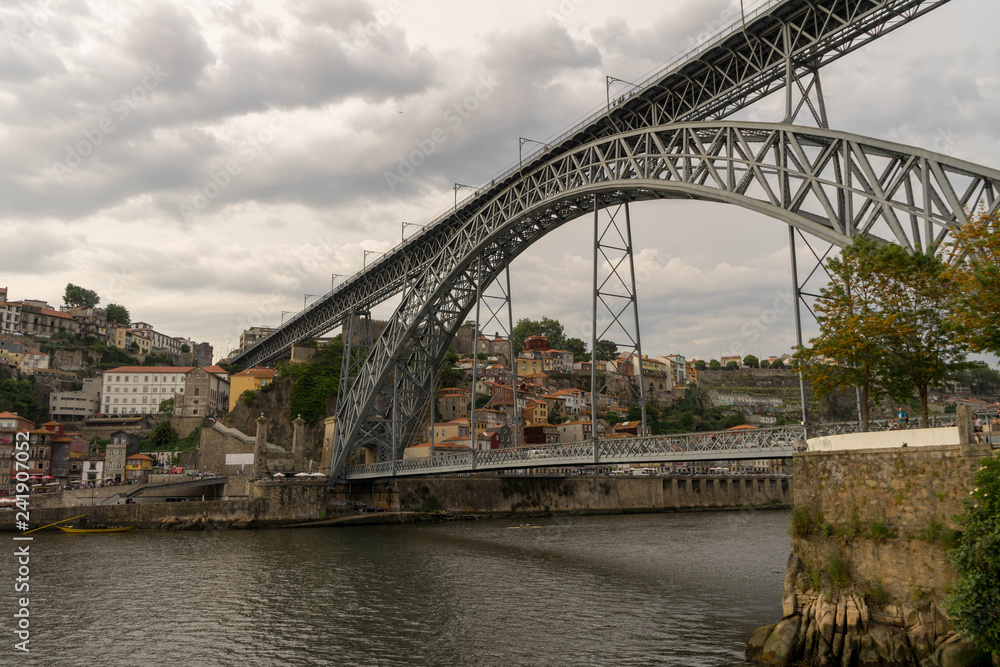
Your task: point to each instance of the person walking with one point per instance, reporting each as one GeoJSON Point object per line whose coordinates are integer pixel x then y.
{"type": "Point", "coordinates": [902, 417]}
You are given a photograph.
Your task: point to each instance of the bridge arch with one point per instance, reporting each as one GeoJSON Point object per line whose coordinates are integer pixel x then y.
{"type": "Point", "coordinates": [829, 184]}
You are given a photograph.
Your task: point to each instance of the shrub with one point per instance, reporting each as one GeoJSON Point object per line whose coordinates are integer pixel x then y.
{"type": "Point", "coordinates": [880, 531]}
{"type": "Point", "coordinates": [804, 522]}
{"type": "Point", "coordinates": [839, 568]}
{"type": "Point", "coordinates": [875, 593]}
{"type": "Point", "coordinates": [855, 528]}
{"type": "Point", "coordinates": [974, 604]}
{"type": "Point", "coordinates": [828, 530]}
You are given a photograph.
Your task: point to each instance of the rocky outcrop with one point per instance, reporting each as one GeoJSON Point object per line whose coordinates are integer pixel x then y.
{"type": "Point", "coordinates": [822, 629]}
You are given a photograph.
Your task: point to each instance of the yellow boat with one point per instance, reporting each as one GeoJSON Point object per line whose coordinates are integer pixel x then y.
{"type": "Point", "coordinates": [120, 529]}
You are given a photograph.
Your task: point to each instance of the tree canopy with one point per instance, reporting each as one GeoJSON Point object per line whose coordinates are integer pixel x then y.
{"type": "Point", "coordinates": [118, 314]}
{"type": "Point", "coordinates": [883, 322]}
{"type": "Point", "coordinates": [975, 273]}
{"type": "Point", "coordinates": [80, 297]}
{"type": "Point", "coordinates": [547, 327]}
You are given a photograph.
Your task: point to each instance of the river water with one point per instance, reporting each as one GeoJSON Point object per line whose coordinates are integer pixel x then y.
{"type": "Point", "coordinates": [666, 589]}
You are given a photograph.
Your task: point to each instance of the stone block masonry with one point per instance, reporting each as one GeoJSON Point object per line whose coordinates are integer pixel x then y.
{"type": "Point", "coordinates": [904, 488]}
{"type": "Point", "coordinates": [869, 572]}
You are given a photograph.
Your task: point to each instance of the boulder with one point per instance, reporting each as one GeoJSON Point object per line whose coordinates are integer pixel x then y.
{"type": "Point", "coordinates": [959, 652]}
{"type": "Point", "coordinates": [780, 647]}
{"type": "Point", "coordinates": [757, 640]}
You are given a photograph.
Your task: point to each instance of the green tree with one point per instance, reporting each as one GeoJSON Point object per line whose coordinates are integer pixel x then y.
{"type": "Point", "coordinates": [578, 348]}
{"type": "Point", "coordinates": [714, 365]}
{"type": "Point", "coordinates": [974, 603]}
{"type": "Point", "coordinates": [610, 416]}
{"type": "Point", "coordinates": [167, 406]}
{"type": "Point", "coordinates": [975, 272]}
{"type": "Point", "coordinates": [19, 396]}
{"type": "Point", "coordinates": [315, 382]}
{"type": "Point", "coordinates": [700, 365]}
{"type": "Point", "coordinates": [923, 348]}
{"type": "Point", "coordinates": [732, 366]}
{"type": "Point", "coordinates": [80, 297]}
{"type": "Point", "coordinates": [764, 363]}
{"type": "Point", "coordinates": [751, 361]}
{"type": "Point", "coordinates": [118, 314]}
{"type": "Point", "coordinates": [185, 348]}
{"type": "Point", "coordinates": [855, 326]}
{"type": "Point", "coordinates": [547, 327]}
{"type": "Point", "coordinates": [607, 350]}
{"type": "Point", "coordinates": [163, 434]}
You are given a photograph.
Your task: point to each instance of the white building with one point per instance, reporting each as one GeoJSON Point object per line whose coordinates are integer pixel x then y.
{"type": "Point", "coordinates": [10, 314]}
{"type": "Point", "coordinates": [139, 390]}
{"type": "Point", "coordinates": [74, 405]}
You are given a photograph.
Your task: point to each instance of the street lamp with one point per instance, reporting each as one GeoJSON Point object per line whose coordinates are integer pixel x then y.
{"type": "Point", "coordinates": [334, 276]}
{"type": "Point", "coordinates": [408, 224]}
{"type": "Point", "coordinates": [364, 265]}
{"type": "Point", "coordinates": [457, 187]}
{"type": "Point", "coordinates": [607, 87]}
{"type": "Point", "coordinates": [521, 141]}
{"type": "Point", "coordinates": [283, 313]}
{"type": "Point", "coordinates": [306, 298]}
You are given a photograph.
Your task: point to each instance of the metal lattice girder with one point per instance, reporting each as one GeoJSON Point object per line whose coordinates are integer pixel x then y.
{"type": "Point", "coordinates": [615, 308]}
{"type": "Point", "coordinates": [829, 184]}
{"type": "Point", "coordinates": [712, 81]}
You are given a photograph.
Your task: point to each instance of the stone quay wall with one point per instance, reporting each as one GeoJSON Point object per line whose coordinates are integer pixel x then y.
{"type": "Point", "coordinates": [527, 494]}
{"type": "Point", "coordinates": [869, 571]}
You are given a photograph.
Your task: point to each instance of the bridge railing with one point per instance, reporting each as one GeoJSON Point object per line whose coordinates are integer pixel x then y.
{"type": "Point", "coordinates": [767, 442]}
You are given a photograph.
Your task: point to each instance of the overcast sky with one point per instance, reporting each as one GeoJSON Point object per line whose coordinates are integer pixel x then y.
{"type": "Point", "coordinates": [208, 163]}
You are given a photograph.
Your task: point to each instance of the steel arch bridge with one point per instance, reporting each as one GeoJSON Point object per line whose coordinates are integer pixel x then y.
{"type": "Point", "coordinates": [830, 184]}
{"type": "Point", "coordinates": [660, 143]}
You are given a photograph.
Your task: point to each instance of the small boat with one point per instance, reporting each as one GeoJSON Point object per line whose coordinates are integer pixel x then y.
{"type": "Point", "coordinates": [118, 529]}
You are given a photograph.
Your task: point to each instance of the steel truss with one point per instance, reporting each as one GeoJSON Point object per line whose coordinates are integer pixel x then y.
{"type": "Point", "coordinates": [615, 310]}
{"type": "Point", "coordinates": [711, 81]}
{"type": "Point", "coordinates": [495, 298]}
{"type": "Point", "coordinates": [829, 184]}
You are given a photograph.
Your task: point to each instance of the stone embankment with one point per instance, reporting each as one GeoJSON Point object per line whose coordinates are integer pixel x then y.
{"type": "Point", "coordinates": [869, 571]}
{"type": "Point", "coordinates": [245, 504]}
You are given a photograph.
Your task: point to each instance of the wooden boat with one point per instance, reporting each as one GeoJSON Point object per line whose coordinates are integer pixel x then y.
{"type": "Point", "coordinates": [119, 529]}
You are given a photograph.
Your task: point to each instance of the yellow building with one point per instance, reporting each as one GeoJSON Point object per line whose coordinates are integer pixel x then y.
{"type": "Point", "coordinates": [251, 379]}
{"type": "Point", "coordinates": [527, 367]}
{"type": "Point", "coordinates": [137, 467]}
{"type": "Point", "coordinates": [117, 334]}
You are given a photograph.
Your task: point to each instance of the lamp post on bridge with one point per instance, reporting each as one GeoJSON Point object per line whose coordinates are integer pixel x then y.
{"type": "Point", "coordinates": [285, 312]}
{"type": "Point", "coordinates": [334, 276]}
{"type": "Point", "coordinates": [364, 265]}
{"type": "Point", "coordinates": [305, 299]}
{"type": "Point", "coordinates": [521, 141]}
{"type": "Point", "coordinates": [408, 224]}
{"type": "Point", "coordinates": [457, 187]}
{"type": "Point", "coordinates": [607, 87]}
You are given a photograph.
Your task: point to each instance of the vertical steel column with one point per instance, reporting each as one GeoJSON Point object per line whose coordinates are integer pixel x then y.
{"type": "Point", "coordinates": [475, 352]}
{"type": "Point", "coordinates": [635, 313]}
{"type": "Point", "coordinates": [593, 335]}
{"type": "Point", "coordinates": [510, 361]}
{"type": "Point", "coordinates": [797, 296]}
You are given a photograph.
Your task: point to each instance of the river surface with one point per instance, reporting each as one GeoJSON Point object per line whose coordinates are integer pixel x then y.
{"type": "Point", "coordinates": [653, 589]}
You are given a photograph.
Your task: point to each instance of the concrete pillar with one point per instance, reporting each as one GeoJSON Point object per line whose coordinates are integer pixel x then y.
{"type": "Point", "coordinates": [260, 449]}
{"type": "Point", "coordinates": [299, 438]}
{"type": "Point", "coordinates": [966, 436]}
{"type": "Point", "coordinates": [326, 458]}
